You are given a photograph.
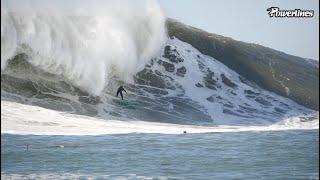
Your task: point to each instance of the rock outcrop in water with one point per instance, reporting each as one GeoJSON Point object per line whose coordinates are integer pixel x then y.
{"type": "Point", "coordinates": [290, 76]}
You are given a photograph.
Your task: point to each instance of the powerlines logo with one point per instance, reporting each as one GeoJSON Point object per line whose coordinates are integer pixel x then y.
{"type": "Point", "coordinates": [297, 13]}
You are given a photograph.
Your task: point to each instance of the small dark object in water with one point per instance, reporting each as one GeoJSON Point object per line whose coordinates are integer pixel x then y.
{"type": "Point", "coordinates": [184, 132]}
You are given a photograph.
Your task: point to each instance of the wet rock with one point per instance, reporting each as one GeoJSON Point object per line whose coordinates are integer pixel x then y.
{"type": "Point", "coordinates": [181, 71]}
{"type": "Point", "coordinates": [227, 81]}
{"type": "Point", "coordinates": [168, 66]}
{"type": "Point", "coordinates": [198, 85]}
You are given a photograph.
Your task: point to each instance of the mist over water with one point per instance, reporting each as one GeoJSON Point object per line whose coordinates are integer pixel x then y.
{"type": "Point", "coordinates": [86, 43]}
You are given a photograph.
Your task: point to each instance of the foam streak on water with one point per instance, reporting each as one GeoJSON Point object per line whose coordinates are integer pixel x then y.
{"type": "Point", "coordinates": [25, 119]}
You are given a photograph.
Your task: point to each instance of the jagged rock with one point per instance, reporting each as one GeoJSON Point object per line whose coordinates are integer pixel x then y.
{"type": "Point", "coordinates": [168, 66]}
{"type": "Point", "coordinates": [199, 85]}
{"type": "Point", "coordinates": [227, 81]}
{"type": "Point", "coordinates": [181, 71]}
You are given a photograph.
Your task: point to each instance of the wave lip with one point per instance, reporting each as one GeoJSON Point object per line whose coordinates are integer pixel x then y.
{"type": "Point", "coordinates": [84, 48]}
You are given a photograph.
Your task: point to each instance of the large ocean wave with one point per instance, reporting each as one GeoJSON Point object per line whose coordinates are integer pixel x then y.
{"type": "Point", "coordinates": [73, 62]}
{"type": "Point", "coordinates": [110, 38]}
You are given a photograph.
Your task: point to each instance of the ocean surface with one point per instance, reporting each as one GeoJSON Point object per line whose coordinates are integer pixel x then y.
{"type": "Point", "coordinates": [291, 154]}
{"type": "Point", "coordinates": [60, 118]}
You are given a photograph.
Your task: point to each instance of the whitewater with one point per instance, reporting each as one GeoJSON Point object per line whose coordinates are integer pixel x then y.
{"type": "Point", "coordinates": [192, 117]}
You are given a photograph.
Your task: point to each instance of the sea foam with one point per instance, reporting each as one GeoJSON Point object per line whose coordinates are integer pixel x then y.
{"type": "Point", "coordinates": [84, 42]}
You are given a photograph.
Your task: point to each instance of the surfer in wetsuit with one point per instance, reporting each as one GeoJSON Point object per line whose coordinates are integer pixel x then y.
{"type": "Point", "coordinates": [119, 91]}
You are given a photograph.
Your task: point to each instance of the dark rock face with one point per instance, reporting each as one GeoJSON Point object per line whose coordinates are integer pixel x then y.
{"type": "Point", "coordinates": [168, 66]}
{"type": "Point", "coordinates": [272, 70]}
{"type": "Point", "coordinates": [181, 71]}
{"type": "Point", "coordinates": [227, 81]}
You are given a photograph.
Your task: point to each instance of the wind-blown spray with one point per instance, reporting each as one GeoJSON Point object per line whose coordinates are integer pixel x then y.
{"type": "Point", "coordinates": [85, 46]}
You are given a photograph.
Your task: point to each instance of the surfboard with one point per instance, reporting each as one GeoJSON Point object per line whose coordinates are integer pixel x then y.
{"type": "Point", "coordinates": [125, 103]}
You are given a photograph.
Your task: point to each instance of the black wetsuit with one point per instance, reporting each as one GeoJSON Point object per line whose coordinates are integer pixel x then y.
{"type": "Point", "coordinates": [119, 91]}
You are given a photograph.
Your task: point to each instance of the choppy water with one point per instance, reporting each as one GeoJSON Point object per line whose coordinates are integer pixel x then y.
{"type": "Point", "coordinates": [245, 155]}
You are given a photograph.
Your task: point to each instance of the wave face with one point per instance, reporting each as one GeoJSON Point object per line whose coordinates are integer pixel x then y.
{"type": "Point", "coordinates": [73, 64]}
{"type": "Point", "coordinates": [112, 38]}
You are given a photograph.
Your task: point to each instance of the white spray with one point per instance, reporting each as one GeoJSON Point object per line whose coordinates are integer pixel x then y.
{"type": "Point", "coordinates": [84, 41]}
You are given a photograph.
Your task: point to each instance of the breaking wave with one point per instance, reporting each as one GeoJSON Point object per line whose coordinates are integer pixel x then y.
{"type": "Point", "coordinates": [69, 62]}
{"type": "Point", "coordinates": [110, 38]}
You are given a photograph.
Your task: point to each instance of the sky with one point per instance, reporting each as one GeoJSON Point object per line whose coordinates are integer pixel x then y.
{"type": "Point", "coordinates": [248, 21]}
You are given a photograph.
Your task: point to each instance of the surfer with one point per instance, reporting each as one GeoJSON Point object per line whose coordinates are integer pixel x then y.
{"type": "Point", "coordinates": [119, 91]}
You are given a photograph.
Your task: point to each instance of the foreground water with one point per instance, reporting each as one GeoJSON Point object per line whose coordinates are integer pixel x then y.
{"type": "Point", "coordinates": [268, 154]}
